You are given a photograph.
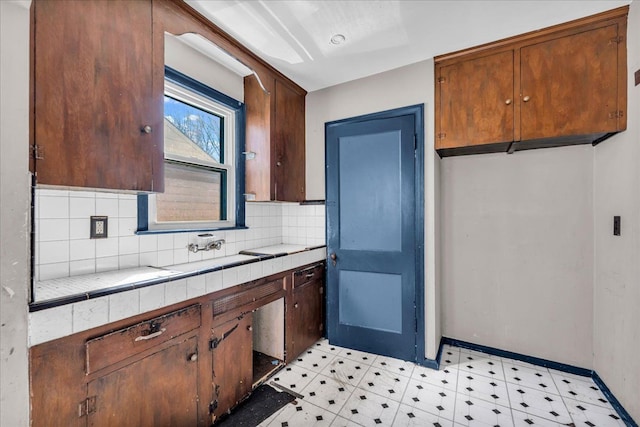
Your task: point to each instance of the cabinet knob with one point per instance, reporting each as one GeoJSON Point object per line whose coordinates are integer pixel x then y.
{"type": "Point", "coordinates": [526, 98]}
{"type": "Point", "coordinates": [193, 357]}
{"type": "Point", "coordinates": [508, 102]}
{"type": "Point", "coordinates": [249, 328]}
{"type": "Point", "coordinates": [295, 305]}
{"type": "Point", "coordinates": [278, 164]}
{"type": "Point", "coordinates": [147, 129]}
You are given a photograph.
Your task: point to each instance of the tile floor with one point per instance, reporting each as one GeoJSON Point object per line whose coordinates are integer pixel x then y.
{"type": "Point", "coordinates": [343, 387]}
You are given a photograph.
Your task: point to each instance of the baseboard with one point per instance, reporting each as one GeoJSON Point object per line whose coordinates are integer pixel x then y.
{"type": "Point", "coordinates": [624, 415]}
{"type": "Point", "coordinates": [433, 363]}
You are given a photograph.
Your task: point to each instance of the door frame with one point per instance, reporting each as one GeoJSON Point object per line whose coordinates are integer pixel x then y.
{"type": "Point", "coordinates": [417, 111]}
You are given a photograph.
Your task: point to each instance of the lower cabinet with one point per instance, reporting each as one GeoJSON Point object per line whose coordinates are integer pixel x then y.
{"type": "Point", "coordinates": [305, 310]}
{"type": "Point", "coordinates": [184, 365]}
{"type": "Point", "coordinates": [232, 354]}
{"type": "Point", "coordinates": [160, 389]}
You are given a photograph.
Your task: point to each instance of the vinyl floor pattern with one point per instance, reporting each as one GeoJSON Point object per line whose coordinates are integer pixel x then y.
{"type": "Point", "coordinates": [343, 387]}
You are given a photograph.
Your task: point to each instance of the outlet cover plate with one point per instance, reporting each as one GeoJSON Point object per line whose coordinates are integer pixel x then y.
{"type": "Point", "coordinates": [99, 227]}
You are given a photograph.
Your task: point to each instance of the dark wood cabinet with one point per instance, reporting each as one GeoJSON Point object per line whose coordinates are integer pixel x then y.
{"type": "Point", "coordinates": [160, 389]}
{"type": "Point", "coordinates": [305, 310]}
{"type": "Point", "coordinates": [183, 365]}
{"type": "Point", "coordinates": [96, 120]}
{"type": "Point", "coordinates": [276, 134]}
{"type": "Point", "coordinates": [558, 86]}
{"type": "Point", "coordinates": [232, 344]}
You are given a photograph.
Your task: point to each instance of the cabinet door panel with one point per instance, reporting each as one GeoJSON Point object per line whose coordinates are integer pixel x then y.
{"type": "Point", "coordinates": [159, 390]}
{"type": "Point", "coordinates": [476, 101]}
{"type": "Point", "coordinates": [307, 317]}
{"type": "Point", "coordinates": [93, 95]}
{"type": "Point", "coordinates": [232, 363]}
{"type": "Point", "coordinates": [571, 85]}
{"type": "Point", "coordinates": [289, 136]}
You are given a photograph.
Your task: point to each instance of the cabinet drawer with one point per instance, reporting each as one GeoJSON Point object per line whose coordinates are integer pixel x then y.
{"type": "Point", "coordinates": [246, 296]}
{"type": "Point", "coordinates": [116, 346]}
{"type": "Point", "coordinates": [308, 275]}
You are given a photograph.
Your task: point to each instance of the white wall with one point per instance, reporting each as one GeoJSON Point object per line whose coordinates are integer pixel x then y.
{"type": "Point", "coordinates": [14, 213]}
{"type": "Point", "coordinates": [517, 251]}
{"type": "Point", "coordinates": [617, 266]}
{"type": "Point", "coordinates": [404, 86]}
{"type": "Point", "coordinates": [194, 64]}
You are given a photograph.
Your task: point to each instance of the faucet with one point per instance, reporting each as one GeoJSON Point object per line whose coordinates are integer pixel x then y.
{"type": "Point", "coordinates": [209, 245]}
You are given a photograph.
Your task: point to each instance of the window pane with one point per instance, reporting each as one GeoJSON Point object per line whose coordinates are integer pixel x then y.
{"type": "Point", "coordinates": [190, 194]}
{"type": "Point", "coordinates": [192, 132]}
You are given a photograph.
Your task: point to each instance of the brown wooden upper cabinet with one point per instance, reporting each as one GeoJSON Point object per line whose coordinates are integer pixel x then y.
{"type": "Point", "coordinates": [276, 134]}
{"type": "Point", "coordinates": [563, 85]}
{"type": "Point", "coordinates": [96, 122]}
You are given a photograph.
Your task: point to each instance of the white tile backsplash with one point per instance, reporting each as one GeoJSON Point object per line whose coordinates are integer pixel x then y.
{"type": "Point", "coordinates": [89, 314]}
{"type": "Point", "coordinates": [62, 233]}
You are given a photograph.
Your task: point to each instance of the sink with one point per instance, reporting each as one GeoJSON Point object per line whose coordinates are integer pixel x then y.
{"type": "Point", "coordinates": [212, 263]}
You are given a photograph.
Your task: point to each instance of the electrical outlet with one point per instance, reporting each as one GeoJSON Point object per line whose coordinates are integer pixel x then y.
{"type": "Point", "coordinates": [616, 225]}
{"type": "Point", "coordinates": [99, 227]}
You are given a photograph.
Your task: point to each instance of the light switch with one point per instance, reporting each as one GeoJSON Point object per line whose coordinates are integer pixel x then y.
{"type": "Point", "coordinates": [99, 227]}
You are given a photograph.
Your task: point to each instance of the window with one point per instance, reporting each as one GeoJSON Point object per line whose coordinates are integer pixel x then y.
{"type": "Point", "coordinates": [204, 177]}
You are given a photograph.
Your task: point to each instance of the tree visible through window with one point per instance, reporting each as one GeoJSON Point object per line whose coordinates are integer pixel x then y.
{"type": "Point", "coordinates": [201, 127]}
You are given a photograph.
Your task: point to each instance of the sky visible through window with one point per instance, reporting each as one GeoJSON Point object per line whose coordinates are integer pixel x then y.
{"type": "Point", "coordinates": [201, 127]}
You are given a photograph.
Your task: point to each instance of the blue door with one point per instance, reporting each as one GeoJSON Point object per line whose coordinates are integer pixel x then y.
{"type": "Point", "coordinates": [371, 234]}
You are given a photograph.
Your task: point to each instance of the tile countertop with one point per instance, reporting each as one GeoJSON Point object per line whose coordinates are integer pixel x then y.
{"type": "Point", "coordinates": [73, 304]}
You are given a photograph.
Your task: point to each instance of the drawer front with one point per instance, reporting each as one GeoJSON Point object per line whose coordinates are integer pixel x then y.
{"type": "Point", "coordinates": [246, 296]}
{"type": "Point", "coordinates": [308, 275]}
{"type": "Point", "coordinates": [119, 345]}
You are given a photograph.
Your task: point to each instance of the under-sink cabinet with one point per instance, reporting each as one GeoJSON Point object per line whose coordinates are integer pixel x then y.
{"type": "Point", "coordinates": [184, 365]}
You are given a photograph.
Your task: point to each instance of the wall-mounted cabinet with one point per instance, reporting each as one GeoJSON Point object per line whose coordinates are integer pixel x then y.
{"type": "Point", "coordinates": [276, 134]}
{"type": "Point", "coordinates": [563, 85]}
{"type": "Point", "coordinates": [96, 122]}
{"type": "Point", "coordinates": [97, 118]}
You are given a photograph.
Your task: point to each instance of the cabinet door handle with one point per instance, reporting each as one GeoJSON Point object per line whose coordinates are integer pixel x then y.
{"type": "Point", "coordinates": [193, 357]}
{"type": "Point", "coordinates": [310, 275]}
{"type": "Point", "coordinates": [295, 305]}
{"type": "Point", "coordinates": [150, 336]}
{"type": "Point", "coordinates": [508, 102]}
{"type": "Point", "coordinates": [278, 164]}
{"type": "Point", "coordinates": [526, 98]}
{"type": "Point", "coordinates": [147, 129]}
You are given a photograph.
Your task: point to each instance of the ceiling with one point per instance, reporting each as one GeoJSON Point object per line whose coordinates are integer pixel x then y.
{"type": "Point", "coordinates": [294, 36]}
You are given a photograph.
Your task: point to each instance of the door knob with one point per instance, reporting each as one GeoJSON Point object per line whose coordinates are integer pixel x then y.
{"type": "Point", "coordinates": [526, 98]}
{"type": "Point", "coordinates": [334, 258]}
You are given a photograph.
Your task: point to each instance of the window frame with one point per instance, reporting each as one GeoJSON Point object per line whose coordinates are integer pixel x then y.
{"type": "Point", "coordinates": [189, 90]}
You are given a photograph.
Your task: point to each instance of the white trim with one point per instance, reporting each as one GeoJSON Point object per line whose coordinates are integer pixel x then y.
{"type": "Point", "coordinates": [229, 149]}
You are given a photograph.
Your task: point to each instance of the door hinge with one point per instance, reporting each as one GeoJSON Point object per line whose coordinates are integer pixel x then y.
{"type": "Point", "coordinates": [38, 152]}
{"type": "Point", "coordinates": [616, 40]}
{"type": "Point", "coordinates": [616, 114]}
{"type": "Point", "coordinates": [442, 79]}
{"type": "Point", "coordinates": [321, 290]}
{"type": "Point", "coordinates": [213, 406]}
{"type": "Point", "coordinates": [442, 135]}
{"type": "Point", "coordinates": [87, 406]}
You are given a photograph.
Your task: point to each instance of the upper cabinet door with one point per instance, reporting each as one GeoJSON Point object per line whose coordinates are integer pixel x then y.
{"type": "Point", "coordinates": [570, 85]}
{"type": "Point", "coordinates": [476, 101]}
{"type": "Point", "coordinates": [95, 121]}
{"type": "Point", "coordinates": [289, 161]}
